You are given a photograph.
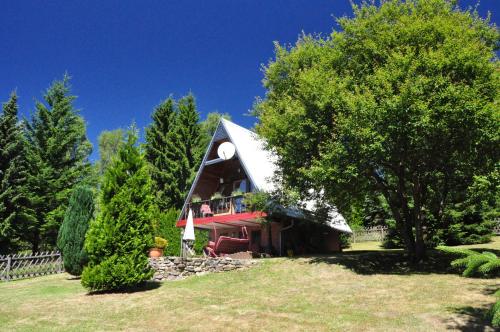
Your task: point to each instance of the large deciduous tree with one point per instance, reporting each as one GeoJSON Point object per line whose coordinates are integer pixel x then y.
{"type": "Point", "coordinates": [118, 240]}
{"type": "Point", "coordinates": [403, 101]}
{"type": "Point", "coordinates": [71, 237]}
{"type": "Point", "coordinates": [109, 142]}
{"type": "Point", "coordinates": [58, 154]}
{"type": "Point", "coordinates": [15, 212]}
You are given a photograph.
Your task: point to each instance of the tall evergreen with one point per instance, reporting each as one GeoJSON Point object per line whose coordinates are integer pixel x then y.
{"type": "Point", "coordinates": [118, 240]}
{"type": "Point", "coordinates": [73, 229]}
{"type": "Point", "coordinates": [162, 152]}
{"type": "Point", "coordinates": [59, 151]}
{"type": "Point", "coordinates": [190, 140]}
{"type": "Point", "coordinates": [15, 215]}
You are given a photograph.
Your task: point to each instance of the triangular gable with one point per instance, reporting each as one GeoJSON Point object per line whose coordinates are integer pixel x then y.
{"type": "Point", "coordinates": [248, 150]}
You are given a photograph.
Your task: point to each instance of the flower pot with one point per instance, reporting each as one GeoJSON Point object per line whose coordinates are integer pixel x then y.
{"type": "Point", "coordinates": [155, 252]}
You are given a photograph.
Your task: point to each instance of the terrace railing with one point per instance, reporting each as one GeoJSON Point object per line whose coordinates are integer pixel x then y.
{"type": "Point", "coordinates": [217, 206]}
{"type": "Point", "coordinates": [21, 266]}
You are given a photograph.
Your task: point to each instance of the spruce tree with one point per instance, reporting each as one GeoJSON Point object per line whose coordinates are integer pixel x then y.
{"type": "Point", "coordinates": [118, 240]}
{"type": "Point", "coordinates": [59, 151]}
{"type": "Point", "coordinates": [15, 214]}
{"type": "Point", "coordinates": [189, 135]}
{"type": "Point", "coordinates": [163, 153]}
{"type": "Point", "coordinates": [73, 229]}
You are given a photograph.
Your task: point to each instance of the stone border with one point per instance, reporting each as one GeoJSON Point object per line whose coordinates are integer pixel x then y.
{"type": "Point", "coordinates": [174, 268]}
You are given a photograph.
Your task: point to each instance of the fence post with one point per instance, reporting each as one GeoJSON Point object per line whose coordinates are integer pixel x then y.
{"type": "Point", "coordinates": [61, 263]}
{"type": "Point", "coordinates": [9, 260]}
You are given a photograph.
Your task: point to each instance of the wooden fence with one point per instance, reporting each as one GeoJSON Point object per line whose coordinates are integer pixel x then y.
{"type": "Point", "coordinates": [376, 233]}
{"type": "Point", "coordinates": [23, 266]}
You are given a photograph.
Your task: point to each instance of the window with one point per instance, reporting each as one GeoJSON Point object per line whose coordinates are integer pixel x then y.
{"type": "Point", "coordinates": [241, 185]}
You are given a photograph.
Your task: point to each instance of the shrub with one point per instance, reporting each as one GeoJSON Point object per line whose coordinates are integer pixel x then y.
{"type": "Point", "coordinates": [71, 235]}
{"type": "Point", "coordinates": [119, 239]}
{"type": "Point", "coordinates": [257, 201]}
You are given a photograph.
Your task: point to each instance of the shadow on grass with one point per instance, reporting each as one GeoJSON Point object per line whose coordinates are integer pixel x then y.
{"type": "Point", "coordinates": [470, 319]}
{"type": "Point", "coordinates": [388, 262]}
{"type": "Point", "coordinates": [393, 262]}
{"type": "Point", "coordinates": [143, 287]}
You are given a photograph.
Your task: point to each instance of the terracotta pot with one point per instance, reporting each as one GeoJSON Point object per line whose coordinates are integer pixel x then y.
{"type": "Point", "coordinates": [155, 252]}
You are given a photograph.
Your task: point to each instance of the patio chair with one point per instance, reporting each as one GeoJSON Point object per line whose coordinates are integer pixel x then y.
{"type": "Point", "coordinates": [228, 245]}
{"type": "Point", "coordinates": [205, 210]}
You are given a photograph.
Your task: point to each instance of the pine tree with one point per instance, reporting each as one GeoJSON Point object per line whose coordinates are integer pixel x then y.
{"type": "Point", "coordinates": [73, 229]}
{"type": "Point", "coordinates": [163, 153]}
{"type": "Point", "coordinates": [15, 214]}
{"type": "Point", "coordinates": [118, 240]}
{"type": "Point", "coordinates": [59, 151]}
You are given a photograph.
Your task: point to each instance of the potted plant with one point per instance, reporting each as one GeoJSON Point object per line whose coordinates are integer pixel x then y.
{"type": "Point", "coordinates": [216, 195]}
{"type": "Point", "coordinates": [195, 198]}
{"type": "Point", "coordinates": [157, 251]}
{"type": "Point", "coordinates": [237, 192]}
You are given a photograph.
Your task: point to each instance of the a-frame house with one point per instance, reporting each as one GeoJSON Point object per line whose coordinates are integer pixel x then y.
{"type": "Point", "coordinates": [236, 163]}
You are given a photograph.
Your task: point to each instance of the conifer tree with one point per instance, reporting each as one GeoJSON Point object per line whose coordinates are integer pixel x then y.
{"type": "Point", "coordinates": [118, 240]}
{"type": "Point", "coordinates": [58, 153]}
{"type": "Point", "coordinates": [73, 229]}
{"type": "Point", "coordinates": [190, 140]}
{"type": "Point", "coordinates": [15, 214]}
{"type": "Point", "coordinates": [163, 153]}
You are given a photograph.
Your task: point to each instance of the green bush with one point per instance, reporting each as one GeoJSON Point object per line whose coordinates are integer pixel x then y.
{"type": "Point", "coordinates": [119, 239]}
{"type": "Point", "coordinates": [257, 201]}
{"type": "Point", "coordinates": [71, 235]}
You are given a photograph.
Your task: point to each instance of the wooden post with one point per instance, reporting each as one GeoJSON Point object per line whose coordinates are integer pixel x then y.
{"type": "Point", "coordinates": [9, 261]}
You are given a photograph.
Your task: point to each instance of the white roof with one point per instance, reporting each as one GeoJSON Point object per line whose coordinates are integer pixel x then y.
{"type": "Point", "coordinates": [257, 161]}
{"type": "Point", "coordinates": [259, 164]}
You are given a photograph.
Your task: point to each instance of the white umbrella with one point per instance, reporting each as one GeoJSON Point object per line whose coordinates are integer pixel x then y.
{"type": "Point", "coordinates": [189, 230]}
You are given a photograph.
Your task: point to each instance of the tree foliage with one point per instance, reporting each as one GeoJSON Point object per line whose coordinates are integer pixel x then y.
{"type": "Point", "coordinates": [402, 102]}
{"type": "Point", "coordinates": [110, 142]}
{"type": "Point", "coordinates": [71, 237]}
{"type": "Point", "coordinates": [209, 126]}
{"type": "Point", "coordinates": [163, 152]}
{"type": "Point", "coordinates": [119, 239]}
{"type": "Point", "coordinates": [475, 264]}
{"type": "Point", "coordinates": [58, 156]}
{"type": "Point", "coordinates": [15, 212]}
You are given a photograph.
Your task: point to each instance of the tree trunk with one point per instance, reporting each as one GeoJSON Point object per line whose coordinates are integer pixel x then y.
{"type": "Point", "coordinates": [35, 242]}
{"type": "Point", "coordinates": [417, 215]}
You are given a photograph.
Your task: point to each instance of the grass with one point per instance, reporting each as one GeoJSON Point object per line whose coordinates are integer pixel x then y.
{"type": "Point", "coordinates": [359, 290]}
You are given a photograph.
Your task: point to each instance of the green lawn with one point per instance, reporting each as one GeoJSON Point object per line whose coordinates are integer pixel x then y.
{"type": "Point", "coordinates": [359, 290]}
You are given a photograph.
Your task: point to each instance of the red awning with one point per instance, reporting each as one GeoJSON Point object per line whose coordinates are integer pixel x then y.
{"type": "Point", "coordinates": [226, 221]}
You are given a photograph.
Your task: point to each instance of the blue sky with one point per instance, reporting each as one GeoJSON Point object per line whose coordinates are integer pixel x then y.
{"type": "Point", "coordinates": [126, 56]}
